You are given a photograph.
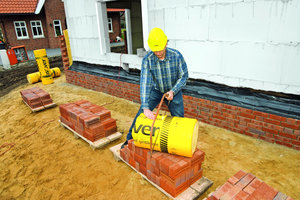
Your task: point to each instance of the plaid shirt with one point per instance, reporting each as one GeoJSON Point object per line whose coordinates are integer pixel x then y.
{"type": "Point", "coordinates": [164, 75]}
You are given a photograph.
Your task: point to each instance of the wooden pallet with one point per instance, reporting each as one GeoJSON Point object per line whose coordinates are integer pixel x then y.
{"type": "Point", "coordinates": [97, 144]}
{"type": "Point", "coordinates": [191, 193]}
{"type": "Point", "coordinates": [39, 108]}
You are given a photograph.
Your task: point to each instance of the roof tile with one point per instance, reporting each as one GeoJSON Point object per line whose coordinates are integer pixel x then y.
{"type": "Point", "coordinates": [17, 6]}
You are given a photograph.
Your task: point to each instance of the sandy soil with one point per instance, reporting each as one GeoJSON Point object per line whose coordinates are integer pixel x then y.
{"type": "Point", "coordinates": [47, 162]}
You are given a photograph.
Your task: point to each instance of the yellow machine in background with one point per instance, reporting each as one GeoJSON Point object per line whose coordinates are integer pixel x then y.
{"type": "Point", "coordinates": [175, 135]}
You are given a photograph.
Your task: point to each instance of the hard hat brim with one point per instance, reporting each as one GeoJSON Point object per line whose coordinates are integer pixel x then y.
{"type": "Point", "coordinates": [158, 47]}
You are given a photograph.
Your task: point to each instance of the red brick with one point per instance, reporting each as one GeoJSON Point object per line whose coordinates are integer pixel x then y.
{"type": "Point", "coordinates": [283, 143]}
{"type": "Point", "coordinates": [227, 190]}
{"type": "Point", "coordinates": [292, 136]}
{"type": "Point", "coordinates": [177, 168]}
{"type": "Point", "coordinates": [95, 129]}
{"type": "Point", "coordinates": [264, 192]}
{"type": "Point", "coordinates": [110, 130]}
{"type": "Point", "coordinates": [296, 142]}
{"type": "Point", "coordinates": [261, 114]}
{"type": "Point", "coordinates": [255, 183]}
{"type": "Point", "coordinates": [272, 121]}
{"type": "Point", "coordinates": [240, 174]}
{"type": "Point", "coordinates": [245, 181]}
{"type": "Point", "coordinates": [196, 177]}
{"type": "Point", "coordinates": [142, 169]}
{"type": "Point", "coordinates": [292, 126]}
{"type": "Point", "coordinates": [131, 145]}
{"type": "Point", "coordinates": [241, 196]}
{"type": "Point", "coordinates": [276, 117]}
{"type": "Point", "coordinates": [164, 165]}
{"type": "Point", "coordinates": [140, 159]}
{"type": "Point", "coordinates": [270, 130]}
{"type": "Point", "coordinates": [233, 180]}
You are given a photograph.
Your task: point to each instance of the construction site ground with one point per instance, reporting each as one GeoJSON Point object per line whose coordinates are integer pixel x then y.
{"type": "Point", "coordinates": [40, 159]}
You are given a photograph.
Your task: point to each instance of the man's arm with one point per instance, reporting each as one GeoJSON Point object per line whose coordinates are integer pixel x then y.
{"type": "Point", "coordinates": [145, 84]}
{"type": "Point", "coordinates": [183, 76]}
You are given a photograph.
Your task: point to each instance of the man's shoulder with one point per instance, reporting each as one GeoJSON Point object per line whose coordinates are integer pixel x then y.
{"type": "Point", "coordinates": [149, 55]}
{"type": "Point", "coordinates": [173, 52]}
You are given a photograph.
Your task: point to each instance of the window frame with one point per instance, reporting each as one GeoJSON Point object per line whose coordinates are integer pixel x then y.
{"type": "Point", "coordinates": [110, 23]}
{"type": "Point", "coordinates": [20, 27]}
{"type": "Point", "coordinates": [59, 27]}
{"type": "Point", "coordinates": [36, 26]}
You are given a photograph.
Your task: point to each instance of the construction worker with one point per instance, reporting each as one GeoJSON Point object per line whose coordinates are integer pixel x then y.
{"type": "Point", "coordinates": [163, 71]}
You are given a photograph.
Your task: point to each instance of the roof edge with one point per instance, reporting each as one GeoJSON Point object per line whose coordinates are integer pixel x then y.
{"type": "Point", "coordinates": [39, 6]}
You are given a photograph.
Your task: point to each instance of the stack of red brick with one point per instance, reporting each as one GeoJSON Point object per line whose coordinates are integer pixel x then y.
{"type": "Point", "coordinates": [89, 120]}
{"type": "Point", "coordinates": [172, 173]}
{"type": "Point", "coordinates": [36, 97]}
{"type": "Point", "coordinates": [245, 186]}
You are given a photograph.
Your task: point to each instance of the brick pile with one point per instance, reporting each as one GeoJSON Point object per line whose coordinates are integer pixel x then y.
{"type": "Point", "coordinates": [36, 97]}
{"type": "Point", "coordinates": [89, 120]}
{"type": "Point", "coordinates": [245, 186]}
{"type": "Point", "coordinates": [172, 173]}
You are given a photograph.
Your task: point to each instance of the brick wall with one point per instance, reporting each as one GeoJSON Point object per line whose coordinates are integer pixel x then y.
{"type": "Point", "coordinates": [30, 43]}
{"type": "Point", "coordinates": [53, 9]}
{"type": "Point", "coordinates": [116, 25]}
{"type": "Point", "coordinates": [271, 128]}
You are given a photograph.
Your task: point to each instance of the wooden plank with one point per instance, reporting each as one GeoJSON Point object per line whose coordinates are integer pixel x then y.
{"type": "Point", "coordinates": [116, 151]}
{"type": "Point", "coordinates": [97, 144]}
{"type": "Point", "coordinates": [39, 108]}
{"type": "Point", "coordinates": [191, 193]}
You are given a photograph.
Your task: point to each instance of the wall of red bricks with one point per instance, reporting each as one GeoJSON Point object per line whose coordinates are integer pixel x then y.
{"type": "Point", "coordinates": [53, 10]}
{"type": "Point", "coordinates": [271, 128]}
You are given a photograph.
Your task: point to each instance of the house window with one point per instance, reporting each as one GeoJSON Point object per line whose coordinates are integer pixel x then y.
{"type": "Point", "coordinates": [21, 30]}
{"type": "Point", "coordinates": [37, 29]}
{"type": "Point", "coordinates": [110, 27]}
{"type": "Point", "coordinates": [57, 28]}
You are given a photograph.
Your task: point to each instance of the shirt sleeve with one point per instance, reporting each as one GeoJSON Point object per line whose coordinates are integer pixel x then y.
{"type": "Point", "coordinates": [145, 84]}
{"type": "Point", "coordinates": [183, 75]}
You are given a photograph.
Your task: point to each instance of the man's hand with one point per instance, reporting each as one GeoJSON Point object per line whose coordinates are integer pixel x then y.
{"type": "Point", "coordinates": [170, 95]}
{"type": "Point", "coordinates": [149, 114]}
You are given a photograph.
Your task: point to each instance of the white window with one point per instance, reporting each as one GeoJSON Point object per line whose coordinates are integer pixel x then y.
{"type": "Point", "coordinates": [57, 28]}
{"type": "Point", "coordinates": [21, 30]}
{"type": "Point", "coordinates": [37, 29]}
{"type": "Point", "coordinates": [110, 26]}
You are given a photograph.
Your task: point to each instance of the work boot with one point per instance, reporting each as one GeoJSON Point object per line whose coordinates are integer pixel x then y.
{"type": "Point", "coordinates": [123, 145]}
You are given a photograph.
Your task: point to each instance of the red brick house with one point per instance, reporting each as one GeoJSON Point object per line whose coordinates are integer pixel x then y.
{"type": "Point", "coordinates": [33, 23]}
{"type": "Point", "coordinates": [114, 22]}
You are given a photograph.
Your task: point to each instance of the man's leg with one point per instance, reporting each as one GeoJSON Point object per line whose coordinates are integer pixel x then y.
{"type": "Point", "coordinates": [176, 105]}
{"type": "Point", "coordinates": [155, 97]}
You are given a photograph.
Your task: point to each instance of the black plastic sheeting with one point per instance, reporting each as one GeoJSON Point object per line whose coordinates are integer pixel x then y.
{"type": "Point", "coordinates": [287, 105]}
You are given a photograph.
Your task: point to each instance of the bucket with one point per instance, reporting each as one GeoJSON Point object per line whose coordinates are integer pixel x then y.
{"type": "Point", "coordinates": [55, 72]}
{"type": "Point", "coordinates": [43, 64]}
{"type": "Point", "coordinates": [175, 135]}
{"type": "Point", "coordinates": [33, 77]}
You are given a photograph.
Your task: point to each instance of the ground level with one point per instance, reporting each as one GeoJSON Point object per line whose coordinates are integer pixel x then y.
{"type": "Point", "coordinates": [47, 162]}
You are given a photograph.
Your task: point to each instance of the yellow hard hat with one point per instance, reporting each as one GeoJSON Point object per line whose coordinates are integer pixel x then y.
{"type": "Point", "coordinates": [157, 39]}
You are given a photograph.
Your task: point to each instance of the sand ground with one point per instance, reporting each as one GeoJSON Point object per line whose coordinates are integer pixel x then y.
{"type": "Point", "coordinates": [46, 161]}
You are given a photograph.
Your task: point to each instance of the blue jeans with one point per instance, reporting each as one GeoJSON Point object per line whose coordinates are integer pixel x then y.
{"type": "Point", "coordinates": [175, 106]}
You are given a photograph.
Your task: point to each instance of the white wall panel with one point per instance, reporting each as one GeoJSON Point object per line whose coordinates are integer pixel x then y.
{"type": "Point", "coordinates": [250, 43]}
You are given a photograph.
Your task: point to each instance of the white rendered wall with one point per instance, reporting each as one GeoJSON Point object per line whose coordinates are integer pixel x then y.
{"type": "Point", "coordinates": [241, 43]}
